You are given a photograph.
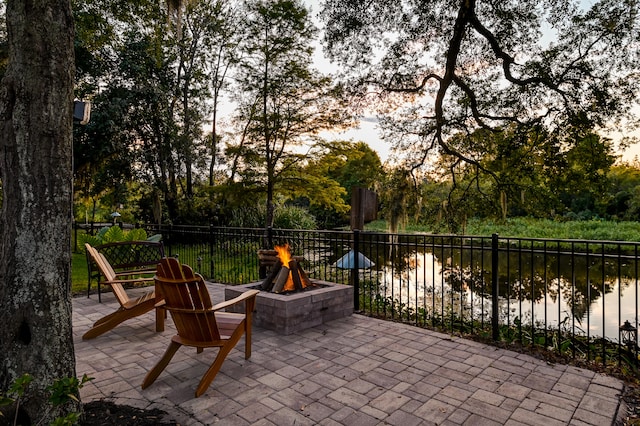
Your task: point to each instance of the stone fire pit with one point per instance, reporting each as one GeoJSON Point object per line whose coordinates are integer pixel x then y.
{"type": "Point", "coordinates": [291, 312]}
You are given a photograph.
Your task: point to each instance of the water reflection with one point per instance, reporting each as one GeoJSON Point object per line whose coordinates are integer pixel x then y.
{"type": "Point", "coordinates": [580, 293]}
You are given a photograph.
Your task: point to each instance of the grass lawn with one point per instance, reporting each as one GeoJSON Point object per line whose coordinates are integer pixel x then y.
{"type": "Point", "coordinates": [79, 273]}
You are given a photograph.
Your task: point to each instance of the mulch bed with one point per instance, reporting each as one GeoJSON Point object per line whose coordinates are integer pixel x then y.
{"type": "Point", "coordinates": [105, 413]}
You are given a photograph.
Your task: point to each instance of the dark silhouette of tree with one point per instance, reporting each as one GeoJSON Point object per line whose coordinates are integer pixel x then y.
{"type": "Point", "coordinates": [441, 70]}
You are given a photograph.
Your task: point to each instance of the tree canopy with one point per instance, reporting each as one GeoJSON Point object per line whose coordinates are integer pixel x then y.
{"type": "Point", "coordinates": [506, 104]}
{"type": "Point", "coordinates": [283, 101]}
{"type": "Point", "coordinates": [440, 70]}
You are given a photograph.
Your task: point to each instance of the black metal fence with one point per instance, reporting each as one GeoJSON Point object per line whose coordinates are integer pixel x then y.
{"type": "Point", "coordinates": [577, 297]}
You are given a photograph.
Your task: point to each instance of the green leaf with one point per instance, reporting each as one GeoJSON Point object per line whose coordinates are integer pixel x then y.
{"type": "Point", "coordinates": [62, 390]}
{"type": "Point", "coordinates": [4, 401]}
{"type": "Point", "coordinates": [113, 234]}
{"type": "Point", "coordinates": [20, 385]}
{"type": "Point", "coordinates": [137, 234]}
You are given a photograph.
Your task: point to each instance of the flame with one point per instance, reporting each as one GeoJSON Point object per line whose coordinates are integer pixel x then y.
{"type": "Point", "coordinates": [284, 254]}
{"type": "Point", "coordinates": [289, 285]}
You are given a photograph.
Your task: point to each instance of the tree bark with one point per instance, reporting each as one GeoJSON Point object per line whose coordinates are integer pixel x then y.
{"type": "Point", "coordinates": [36, 102]}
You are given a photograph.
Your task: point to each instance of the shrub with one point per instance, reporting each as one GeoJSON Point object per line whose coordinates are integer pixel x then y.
{"type": "Point", "coordinates": [112, 234]}
{"type": "Point", "coordinates": [293, 217]}
{"type": "Point", "coordinates": [287, 217]}
{"type": "Point", "coordinates": [61, 392]}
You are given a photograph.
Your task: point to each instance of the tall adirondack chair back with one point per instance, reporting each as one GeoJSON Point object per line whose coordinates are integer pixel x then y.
{"type": "Point", "coordinates": [187, 298]}
{"type": "Point", "coordinates": [199, 323]}
{"type": "Point", "coordinates": [110, 276]}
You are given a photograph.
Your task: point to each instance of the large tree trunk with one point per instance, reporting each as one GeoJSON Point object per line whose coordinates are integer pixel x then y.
{"type": "Point", "coordinates": [36, 102]}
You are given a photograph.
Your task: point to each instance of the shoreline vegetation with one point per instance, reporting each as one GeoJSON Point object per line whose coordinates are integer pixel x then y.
{"type": "Point", "coordinates": [600, 230]}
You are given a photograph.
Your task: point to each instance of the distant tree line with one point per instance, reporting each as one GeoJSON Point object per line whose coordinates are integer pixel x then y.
{"type": "Point", "coordinates": [527, 176]}
{"type": "Point", "coordinates": [204, 111]}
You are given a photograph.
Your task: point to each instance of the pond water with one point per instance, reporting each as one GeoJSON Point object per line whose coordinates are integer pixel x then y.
{"type": "Point", "coordinates": [581, 294]}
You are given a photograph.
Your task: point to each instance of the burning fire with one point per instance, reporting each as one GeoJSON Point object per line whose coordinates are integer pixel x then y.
{"type": "Point", "coordinates": [284, 254]}
{"type": "Point", "coordinates": [286, 274]}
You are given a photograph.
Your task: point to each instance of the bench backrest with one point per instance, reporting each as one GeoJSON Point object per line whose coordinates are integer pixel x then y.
{"type": "Point", "coordinates": [126, 255]}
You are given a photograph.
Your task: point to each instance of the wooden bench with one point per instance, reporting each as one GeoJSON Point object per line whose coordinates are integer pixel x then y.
{"type": "Point", "coordinates": [135, 257]}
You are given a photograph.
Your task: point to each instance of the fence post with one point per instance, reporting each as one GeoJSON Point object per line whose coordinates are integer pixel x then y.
{"type": "Point", "coordinates": [494, 288]}
{"type": "Point", "coordinates": [355, 275]}
{"type": "Point", "coordinates": [212, 251]}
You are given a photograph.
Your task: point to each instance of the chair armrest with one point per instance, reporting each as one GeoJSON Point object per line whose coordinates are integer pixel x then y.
{"type": "Point", "coordinates": [131, 280]}
{"type": "Point", "coordinates": [244, 296]}
{"type": "Point", "coordinates": [136, 272]}
{"type": "Point", "coordinates": [247, 295]}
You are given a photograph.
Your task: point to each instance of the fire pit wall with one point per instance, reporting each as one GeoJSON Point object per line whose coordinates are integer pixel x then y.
{"type": "Point", "coordinates": [292, 312]}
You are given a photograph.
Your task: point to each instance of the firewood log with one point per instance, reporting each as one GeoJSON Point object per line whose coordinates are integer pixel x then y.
{"type": "Point", "coordinates": [268, 283]}
{"type": "Point", "coordinates": [295, 275]}
{"type": "Point", "coordinates": [281, 279]}
{"type": "Point", "coordinates": [306, 282]}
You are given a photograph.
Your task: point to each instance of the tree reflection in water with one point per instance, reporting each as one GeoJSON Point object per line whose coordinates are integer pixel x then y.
{"type": "Point", "coordinates": [588, 294]}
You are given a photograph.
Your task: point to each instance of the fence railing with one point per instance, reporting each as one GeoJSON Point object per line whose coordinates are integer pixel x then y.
{"type": "Point", "coordinates": [574, 296]}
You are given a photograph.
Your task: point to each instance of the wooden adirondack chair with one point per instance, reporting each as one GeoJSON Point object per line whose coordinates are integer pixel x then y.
{"type": "Point", "coordinates": [199, 323]}
{"type": "Point", "coordinates": [129, 307]}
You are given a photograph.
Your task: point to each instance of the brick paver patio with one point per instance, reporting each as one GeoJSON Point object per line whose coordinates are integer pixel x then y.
{"type": "Point", "coordinates": [353, 371]}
